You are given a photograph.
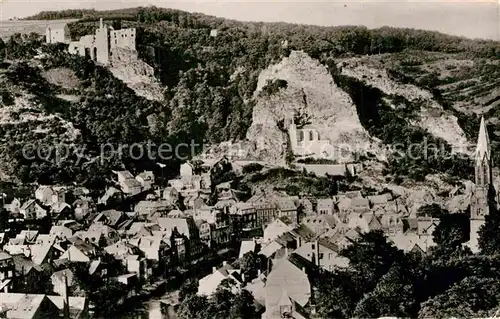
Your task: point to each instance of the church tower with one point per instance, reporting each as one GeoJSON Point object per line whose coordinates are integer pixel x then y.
{"type": "Point", "coordinates": [480, 200]}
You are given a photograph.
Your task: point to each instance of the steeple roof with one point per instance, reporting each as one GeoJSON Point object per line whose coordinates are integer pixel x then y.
{"type": "Point", "coordinates": [483, 143]}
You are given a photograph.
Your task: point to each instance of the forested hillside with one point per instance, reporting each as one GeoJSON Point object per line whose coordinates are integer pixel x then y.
{"type": "Point", "coordinates": [210, 84]}
{"type": "Point", "coordinates": [210, 81]}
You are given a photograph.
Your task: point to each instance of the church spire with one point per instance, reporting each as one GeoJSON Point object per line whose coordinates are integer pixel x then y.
{"type": "Point", "coordinates": [483, 144]}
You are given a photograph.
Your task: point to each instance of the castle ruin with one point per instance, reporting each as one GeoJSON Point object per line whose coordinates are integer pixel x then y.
{"type": "Point", "coordinates": [99, 46]}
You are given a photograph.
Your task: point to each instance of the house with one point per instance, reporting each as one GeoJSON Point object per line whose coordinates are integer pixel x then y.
{"type": "Point", "coordinates": [306, 205]}
{"type": "Point", "coordinates": [392, 223]}
{"type": "Point", "coordinates": [325, 206]}
{"type": "Point", "coordinates": [98, 232]}
{"type": "Point", "coordinates": [83, 206]}
{"type": "Point", "coordinates": [286, 208]}
{"type": "Point", "coordinates": [28, 274]}
{"type": "Point", "coordinates": [185, 226]}
{"type": "Point", "coordinates": [171, 195]}
{"type": "Point", "coordinates": [208, 284]}
{"type": "Point", "coordinates": [146, 179]}
{"type": "Point", "coordinates": [138, 265]}
{"type": "Point", "coordinates": [275, 229]}
{"type": "Point", "coordinates": [285, 276]}
{"type": "Point", "coordinates": [112, 194]}
{"type": "Point", "coordinates": [78, 306]}
{"type": "Point", "coordinates": [302, 234]}
{"type": "Point", "coordinates": [321, 223]}
{"type": "Point", "coordinates": [149, 208]}
{"type": "Point", "coordinates": [245, 217]}
{"type": "Point", "coordinates": [7, 272]}
{"type": "Point", "coordinates": [31, 306]}
{"type": "Point", "coordinates": [128, 184]}
{"type": "Point", "coordinates": [14, 206]}
{"type": "Point", "coordinates": [80, 251]}
{"type": "Point", "coordinates": [44, 195]}
{"type": "Point", "coordinates": [274, 248]}
{"type": "Point", "coordinates": [246, 247]}
{"type": "Point", "coordinates": [360, 205]}
{"type": "Point", "coordinates": [186, 170]}
{"type": "Point", "coordinates": [39, 253]}
{"type": "Point", "coordinates": [27, 306]}
{"type": "Point", "coordinates": [286, 307]}
{"type": "Point", "coordinates": [152, 247]}
{"type": "Point", "coordinates": [426, 225]}
{"type": "Point", "coordinates": [61, 232]}
{"type": "Point", "coordinates": [31, 210]}
{"type": "Point", "coordinates": [49, 195]}
{"type": "Point", "coordinates": [206, 181]}
{"type": "Point", "coordinates": [323, 253]}
{"type": "Point", "coordinates": [111, 218]}
{"type": "Point", "coordinates": [60, 210]}
{"type": "Point", "coordinates": [413, 242]}
{"type": "Point", "coordinates": [61, 280]}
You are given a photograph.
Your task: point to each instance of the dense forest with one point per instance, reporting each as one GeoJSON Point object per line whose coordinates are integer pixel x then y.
{"type": "Point", "coordinates": [210, 82]}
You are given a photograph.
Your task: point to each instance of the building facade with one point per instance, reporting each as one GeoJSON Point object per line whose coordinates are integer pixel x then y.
{"type": "Point", "coordinates": [100, 46]}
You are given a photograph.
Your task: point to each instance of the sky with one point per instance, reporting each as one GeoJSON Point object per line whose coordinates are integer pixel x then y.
{"type": "Point", "coordinates": [470, 18]}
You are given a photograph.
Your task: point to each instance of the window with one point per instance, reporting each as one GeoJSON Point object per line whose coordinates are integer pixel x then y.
{"type": "Point", "coordinates": [313, 246]}
{"type": "Point", "coordinates": [320, 256]}
{"type": "Point", "coordinates": [311, 135]}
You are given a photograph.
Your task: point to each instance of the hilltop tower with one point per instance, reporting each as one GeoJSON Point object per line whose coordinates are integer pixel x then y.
{"type": "Point", "coordinates": [483, 189]}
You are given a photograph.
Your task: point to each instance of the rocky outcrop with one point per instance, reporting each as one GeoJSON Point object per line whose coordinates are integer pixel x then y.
{"type": "Point", "coordinates": [432, 116]}
{"type": "Point", "coordinates": [311, 94]}
{"type": "Point", "coordinates": [137, 74]}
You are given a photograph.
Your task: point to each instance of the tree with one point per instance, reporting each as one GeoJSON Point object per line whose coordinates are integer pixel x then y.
{"type": "Point", "coordinates": [453, 230]}
{"type": "Point", "coordinates": [4, 219]}
{"type": "Point", "coordinates": [370, 257]}
{"type": "Point", "coordinates": [394, 295]}
{"type": "Point", "coordinates": [194, 307]}
{"type": "Point", "coordinates": [250, 264]}
{"type": "Point", "coordinates": [433, 210]}
{"type": "Point", "coordinates": [188, 288]}
{"type": "Point", "coordinates": [469, 298]}
{"type": "Point", "coordinates": [336, 295]}
{"type": "Point", "coordinates": [489, 233]}
{"type": "Point", "coordinates": [243, 306]}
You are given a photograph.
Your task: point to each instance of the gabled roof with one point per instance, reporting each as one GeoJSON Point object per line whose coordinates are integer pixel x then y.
{"type": "Point", "coordinates": [125, 174]}
{"type": "Point", "coordinates": [378, 199]}
{"type": "Point", "coordinates": [304, 232]}
{"type": "Point", "coordinates": [28, 204]}
{"type": "Point", "coordinates": [280, 277]}
{"type": "Point", "coordinates": [325, 203]}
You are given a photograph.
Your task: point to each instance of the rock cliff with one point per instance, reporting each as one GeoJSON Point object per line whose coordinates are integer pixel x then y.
{"type": "Point", "coordinates": [310, 94]}
{"type": "Point", "coordinates": [137, 74]}
{"type": "Point", "coordinates": [431, 116]}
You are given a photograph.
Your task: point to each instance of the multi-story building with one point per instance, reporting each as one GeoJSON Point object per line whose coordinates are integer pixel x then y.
{"type": "Point", "coordinates": [7, 271]}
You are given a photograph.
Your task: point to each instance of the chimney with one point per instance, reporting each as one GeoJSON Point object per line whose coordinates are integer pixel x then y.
{"type": "Point", "coordinates": [224, 263]}
{"type": "Point", "coordinates": [317, 252]}
{"type": "Point", "coordinates": [101, 25]}
{"type": "Point", "coordinates": [66, 297]}
{"type": "Point", "coordinates": [286, 252]}
{"type": "Point", "coordinates": [214, 269]}
{"type": "Point", "coordinates": [259, 272]}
